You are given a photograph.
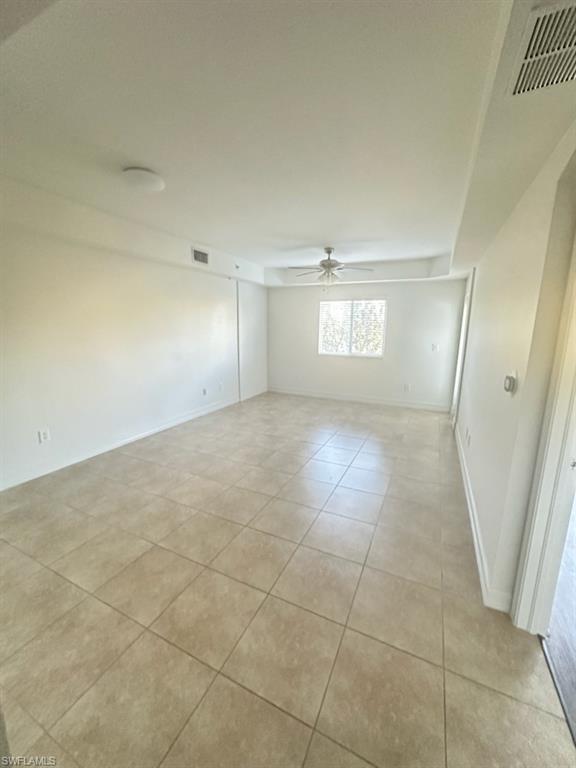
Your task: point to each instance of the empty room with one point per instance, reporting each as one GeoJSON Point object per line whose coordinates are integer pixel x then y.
{"type": "Point", "coordinates": [288, 383]}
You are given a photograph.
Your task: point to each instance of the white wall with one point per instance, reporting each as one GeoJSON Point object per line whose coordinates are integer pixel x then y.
{"type": "Point", "coordinates": [102, 347]}
{"type": "Point", "coordinates": [420, 313]}
{"type": "Point", "coordinates": [33, 208]}
{"type": "Point", "coordinates": [518, 295]}
{"type": "Point", "coordinates": [253, 338]}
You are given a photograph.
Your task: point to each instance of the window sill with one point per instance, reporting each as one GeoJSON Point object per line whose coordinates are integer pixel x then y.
{"type": "Point", "coordinates": [348, 354]}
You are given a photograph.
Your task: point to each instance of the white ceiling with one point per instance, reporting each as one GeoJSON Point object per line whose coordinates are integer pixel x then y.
{"type": "Point", "coordinates": [517, 135]}
{"type": "Point", "coordinates": [16, 13]}
{"type": "Point", "coordinates": [279, 126]}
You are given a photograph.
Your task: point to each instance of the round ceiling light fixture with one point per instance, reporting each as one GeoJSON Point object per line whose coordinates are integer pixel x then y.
{"type": "Point", "coordinates": [144, 179]}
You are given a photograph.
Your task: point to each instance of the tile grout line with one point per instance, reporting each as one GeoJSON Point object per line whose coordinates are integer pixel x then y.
{"type": "Point", "coordinates": [112, 528]}
{"type": "Point", "coordinates": [312, 729]}
{"type": "Point", "coordinates": [297, 545]}
{"type": "Point", "coordinates": [336, 655]}
{"type": "Point", "coordinates": [269, 594]}
{"type": "Point", "coordinates": [144, 628]}
{"type": "Point", "coordinates": [117, 658]}
{"type": "Point", "coordinates": [344, 627]}
{"type": "Point", "coordinates": [186, 721]}
{"type": "Point", "coordinates": [509, 696]}
{"type": "Point", "coordinates": [347, 749]}
{"type": "Point", "coordinates": [47, 626]}
{"type": "Point", "coordinates": [228, 656]}
{"type": "Point", "coordinates": [99, 677]}
{"type": "Point", "coordinates": [282, 599]}
{"type": "Point", "coordinates": [194, 510]}
{"type": "Point", "coordinates": [205, 566]}
{"type": "Point", "coordinates": [221, 672]}
{"type": "Point", "coordinates": [45, 731]}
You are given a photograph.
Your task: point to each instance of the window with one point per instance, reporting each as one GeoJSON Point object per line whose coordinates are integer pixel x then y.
{"type": "Point", "coordinates": [352, 328]}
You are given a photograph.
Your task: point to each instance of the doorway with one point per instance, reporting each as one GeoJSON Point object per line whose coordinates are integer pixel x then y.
{"type": "Point", "coordinates": [560, 642]}
{"type": "Point", "coordinates": [545, 599]}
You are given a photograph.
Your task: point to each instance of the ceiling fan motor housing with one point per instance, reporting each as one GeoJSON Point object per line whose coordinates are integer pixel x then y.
{"type": "Point", "coordinates": [330, 264]}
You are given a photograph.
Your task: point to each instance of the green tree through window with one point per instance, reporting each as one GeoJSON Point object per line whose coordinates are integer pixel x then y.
{"type": "Point", "coordinates": [352, 328]}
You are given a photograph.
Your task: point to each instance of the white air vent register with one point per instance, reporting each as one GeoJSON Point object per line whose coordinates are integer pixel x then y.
{"type": "Point", "coordinates": [199, 256]}
{"type": "Point", "coordinates": [548, 49]}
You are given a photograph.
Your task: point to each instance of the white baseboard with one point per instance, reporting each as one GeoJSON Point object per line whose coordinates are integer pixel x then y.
{"type": "Point", "coordinates": [193, 414]}
{"type": "Point", "coordinates": [492, 598]}
{"type": "Point", "coordinates": [356, 399]}
{"type": "Point", "coordinates": [245, 398]}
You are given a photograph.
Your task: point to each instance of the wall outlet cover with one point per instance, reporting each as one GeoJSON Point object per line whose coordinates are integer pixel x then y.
{"type": "Point", "coordinates": [44, 435]}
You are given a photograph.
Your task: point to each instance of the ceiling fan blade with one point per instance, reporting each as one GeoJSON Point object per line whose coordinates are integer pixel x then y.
{"type": "Point", "coordinates": [305, 266]}
{"type": "Point", "coordinates": [359, 269]}
{"type": "Point", "coordinates": [311, 272]}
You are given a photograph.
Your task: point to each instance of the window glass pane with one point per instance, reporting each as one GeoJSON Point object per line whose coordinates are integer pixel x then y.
{"type": "Point", "coordinates": [368, 327]}
{"type": "Point", "coordinates": [335, 328]}
{"type": "Point", "coordinates": [352, 328]}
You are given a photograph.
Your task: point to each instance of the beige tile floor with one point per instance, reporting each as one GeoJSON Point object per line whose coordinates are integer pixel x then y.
{"type": "Point", "coordinates": [287, 582]}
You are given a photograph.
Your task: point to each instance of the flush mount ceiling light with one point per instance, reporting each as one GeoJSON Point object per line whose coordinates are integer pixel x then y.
{"type": "Point", "coordinates": [144, 179]}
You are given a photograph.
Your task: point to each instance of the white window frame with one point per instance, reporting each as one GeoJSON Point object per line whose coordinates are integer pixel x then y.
{"type": "Point", "coordinates": [353, 354]}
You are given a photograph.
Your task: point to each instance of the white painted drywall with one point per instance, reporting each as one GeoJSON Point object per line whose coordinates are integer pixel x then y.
{"type": "Point", "coordinates": [37, 209]}
{"type": "Point", "coordinates": [518, 294]}
{"type": "Point", "coordinates": [101, 347]}
{"type": "Point", "coordinates": [253, 339]}
{"type": "Point", "coordinates": [420, 314]}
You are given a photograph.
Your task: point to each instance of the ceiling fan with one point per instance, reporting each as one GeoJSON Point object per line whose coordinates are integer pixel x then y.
{"type": "Point", "coordinates": [329, 269]}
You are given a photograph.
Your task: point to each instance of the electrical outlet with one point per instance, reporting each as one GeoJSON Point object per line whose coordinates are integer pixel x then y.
{"type": "Point", "coordinates": [435, 347]}
{"type": "Point", "coordinates": [407, 387]}
{"type": "Point", "coordinates": [44, 435]}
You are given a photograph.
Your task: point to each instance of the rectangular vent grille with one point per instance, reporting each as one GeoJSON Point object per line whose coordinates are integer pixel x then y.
{"type": "Point", "coordinates": [550, 49]}
{"type": "Point", "coordinates": [200, 256]}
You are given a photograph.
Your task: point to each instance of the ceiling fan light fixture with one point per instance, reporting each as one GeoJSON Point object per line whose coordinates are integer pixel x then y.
{"type": "Point", "coordinates": [329, 277]}
{"type": "Point", "coordinates": [328, 269]}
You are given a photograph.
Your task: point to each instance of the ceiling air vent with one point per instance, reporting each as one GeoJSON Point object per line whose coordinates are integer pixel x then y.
{"type": "Point", "coordinates": [200, 256]}
{"type": "Point", "coordinates": [548, 49]}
